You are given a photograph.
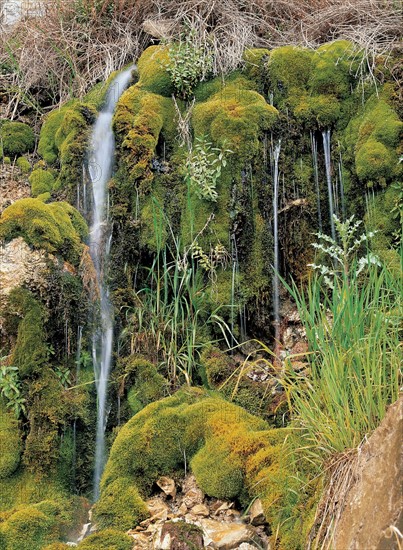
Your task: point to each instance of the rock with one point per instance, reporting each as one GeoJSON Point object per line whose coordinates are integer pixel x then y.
{"type": "Point", "coordinates": [247, 546]}
{"type": "Point", "coordinates": [372, 511]}
{"type": "Point", "coordinates": [178, 535]}
{"type": "Point", "coordinates": [141, 541]}
{"type": "Point", "coordinates": [192, 497]}
{"type": "Point", "coordinates": [157, 506]}
{"type": "Point", "coordinates": [228, 536]}
{"type": "Point", "coordinates": [256, 513]}
{"type": "Point", "coordinates": [200, 510]}
{"type": "Point", "coordinates": [21, 266]}
{"type": "Point", "coordinates": [223, 507]}
{"type": "Point", "coordinates": [168, 486]}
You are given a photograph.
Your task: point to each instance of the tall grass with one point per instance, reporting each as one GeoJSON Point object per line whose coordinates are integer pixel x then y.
{"type": "Point", "coordinates": [354, 374]}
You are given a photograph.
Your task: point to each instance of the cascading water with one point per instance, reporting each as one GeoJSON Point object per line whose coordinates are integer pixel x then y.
{"type": "Point", "coordinates": [314, 147]}
{"type": "Point", "coordinates": [326, 148]}
{"type": "Point", "coordinates": [276, 283]}
{"type": "Point", "coordinates": [101, 158]}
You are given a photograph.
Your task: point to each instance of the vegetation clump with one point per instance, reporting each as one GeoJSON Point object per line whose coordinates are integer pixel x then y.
{"type": "Point", "coordinates": [10, 442]}
{"type": "Point", "coordinates": [16, 138]}
{"type": "Point", "coordinates": [56, 227]}
{"type": "Point", "coordinates": [42, 181]}
{"type": "Point", "coordinates": [107, 539]}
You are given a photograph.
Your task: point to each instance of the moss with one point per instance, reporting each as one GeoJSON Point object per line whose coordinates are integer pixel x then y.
{"type": "Point", "coordinates": [55, 227]}
{"type": "Point", "coordinates": [10, 442]}
{"type": "Point", "coordinates": [254, 60]}
{"type": "Point", "coordinates": [42, 181]}
{"type": "Point", "coordinates": [28, 529]}
{"type": "Point", "coordinates": [334, 68]}
{"type": "Point", "coordinates": [234, 119]}
{"type": "Point", "coordinates": [30, 352]}
{"type": "Point", "coordinates": [183, 535]}
{"type": "Point", "coordinates": [375, 135]}
{"type": "Point", "coordinates": [24, 165]}
{"type": "Point", "coordinates": [47, 147]}
{"type": "Point", "coordinates": [289, 70]}
{"type": "Point", "coordinates": [17, 138]}
{"type": "Point", "coordinates": [148, 385]}
{"type": "Point", "coordinates": [321, 111]}
{"type": "Point", "coordinates": [215, 436]}
{"type": "Point", "coordinates": [6, 160]}
{"type": "Point", "coordinates": [121, 506]}
{"type": "Point", "coordinates": [108, 539]}
{"type": "Point", "coordinates": [152, 70]}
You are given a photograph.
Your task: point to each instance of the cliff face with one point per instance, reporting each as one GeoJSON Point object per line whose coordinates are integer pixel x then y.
{"type": "Point", "coordinates": [373, 514]}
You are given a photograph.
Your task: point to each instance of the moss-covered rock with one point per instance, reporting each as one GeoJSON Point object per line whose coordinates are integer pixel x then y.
{"type": "Point", "coordinates": [215, 436]}
{"type": "Point", "coordinates": [10, 442]}
{"type": "Point", "coordinates": [16, 138]}
{"type": "Point", "coordinates": [108, 539]}
{"type": "Point", "coordinates": [28, 529]}
{"type": "Point", "coordinates": [152, 70]}
{"type": "Point", "coordinates": [42, 181]}
{"type": "Point", "coordinates": [56, 227]}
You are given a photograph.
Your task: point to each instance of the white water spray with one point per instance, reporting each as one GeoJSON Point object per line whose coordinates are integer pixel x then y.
{"type": "Point", "coordinates": [101, 158]}
{"type": "Point", "coordinates": [326, 148]}
{"type": "Point", "coordinates": [276, 283]}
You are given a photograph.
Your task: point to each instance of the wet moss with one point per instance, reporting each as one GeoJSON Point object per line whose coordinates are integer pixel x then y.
{"type": "Point", "coordinates": [42, 181]}
{"type": "Point", "coordinates": [56, 227]}
{"type": "Point", "coordinates": [152, 70]}
{"type": "Point", "coordinates": [107, 539]}
{"type": "Point", "coordinates": [16, 138]}
{"type": "Point", "coordinates": [234, 118]}
{"type": "Point", "coordinates": [28, 529]}
{"type": "Point", "coordinates": [254, 61]}
{"type": "Point", "coordinates": [10, 442]}
{"type": "Point", "coordinates": [121, 506]}
{"type": "Point", "coordinates": [24, 165]}
{"type": "Point", "coordinates": [147, 384]}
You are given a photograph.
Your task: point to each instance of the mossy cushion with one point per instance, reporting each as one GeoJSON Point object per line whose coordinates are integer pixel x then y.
{"type": "Point", "coordinates": [16, 138]}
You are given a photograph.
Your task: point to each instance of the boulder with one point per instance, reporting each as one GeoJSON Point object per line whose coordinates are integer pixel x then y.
{"type": "Point", "coordinates": [227, 536]}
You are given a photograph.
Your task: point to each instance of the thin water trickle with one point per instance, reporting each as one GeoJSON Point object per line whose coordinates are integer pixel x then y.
{"type": "Point", "coordinates": [101, 158]}
{"type": "Point", "coordinates": [276, 266]}
{"type": "Point", "coordinates": [314, 147]}
{"type": "Point", "coordinates": [326, 148]}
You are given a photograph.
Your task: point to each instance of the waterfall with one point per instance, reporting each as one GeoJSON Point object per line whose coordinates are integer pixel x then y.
{"type": "Point", "coordinates": [276, 285]}
{"type": "Point", "coordinates": [314, 147]}
{"type": "Point", "coordinates": [101, 158]}
{"type": "Point", "coordinates": [326, 147]}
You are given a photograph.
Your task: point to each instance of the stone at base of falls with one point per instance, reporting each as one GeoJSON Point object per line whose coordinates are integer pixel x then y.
{"type": "Point", "coordinates": [256, 513]}
{"type": "Point", "coordinates": [168, 486]}
{"type": "Point", "coordinates": [226, 536]}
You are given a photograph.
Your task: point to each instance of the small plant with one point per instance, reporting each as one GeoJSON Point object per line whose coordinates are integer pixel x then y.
{"type": "Point", "coordinates": [10, 388]}
{"type": "Point", "coordinates": [204, 167]}
{"type": "Point", "coordinates": [189, 63]}
{"type": "Point", "coordinates": [343, 256]}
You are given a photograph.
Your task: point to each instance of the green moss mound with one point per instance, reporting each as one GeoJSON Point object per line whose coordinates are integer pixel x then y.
{"type": "Point", "coordinates": [148, 385]}
{"type": "Point", "coordinates": [121, 506]}
{"type": "Point", "coordinates": [16, 138]}
{"type": "Point", "coordinates": [28, 529]}
{"type": "Point", "coordinates": [42, 181]}
{"type": "Point", "coordinates": [56, 227]}
{"type": "Point", "coordinates": [215, 436]}
{"type": "Point", "coordinates": [108, 539]}
{"type": "Point", "coordinates": [24, 165]}
{"type": "Point", "coordinates": [235, 118]}
{"type": "Point", "coordinates": [152, 70]}
{"type": "Point", "coordinates": [10, 442]}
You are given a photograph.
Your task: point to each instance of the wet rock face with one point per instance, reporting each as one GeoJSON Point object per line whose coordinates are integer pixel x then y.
{"type": "Point", "coordinates": [20, 265]}
{"type": "Point", "coordinates": [372, 517]}
{"type": "Point", "coordinates": [183, 518]}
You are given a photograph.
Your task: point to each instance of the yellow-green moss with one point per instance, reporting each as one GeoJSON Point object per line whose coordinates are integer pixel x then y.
{"type": "Point", "coordinates": [235, 118]}
{"type": "Point", "coordinates": [254, 60]}
{"type": "Point", "coordinates": [47, 147]}
{"type": "Point", "coordinates": [55, 227]}
{"type": "Point", "coordinates": [289, 69]}
{"type": "Point", "coordinates": [24, 165]}
{"type": "Point", "coordinates": [152, 70]}
{"type": "Point", "coordinates": [42, 181]}
{"type": "Point", "coordinates": [108, 539]}
{"type": "Point", "coordinates": [10, 442]}
{"type": "Point", "coordinates": [139, 119]}
{"type": "Point", "coordinates": [28, 529]}
{"type": "Point", "coordinates": [375, 136]}
{"type": "Point", "coordinates": [121, 506]}
{"type": "Point", "coordinates": [148, 384]}
{"type": "Point", "coordinates": [16, 138]}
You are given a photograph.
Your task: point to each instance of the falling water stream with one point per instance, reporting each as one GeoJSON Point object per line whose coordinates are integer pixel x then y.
{"type": "Point", "coordinates": [326, 148]}
{"type": "Point", "coordinates": [276, 284]}
{"type": "Point", "coordinates": [101, 158]}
